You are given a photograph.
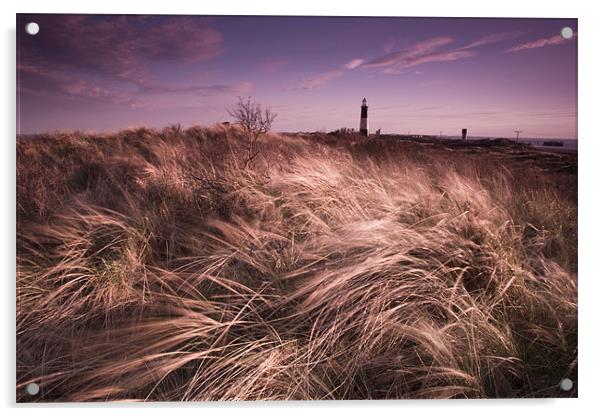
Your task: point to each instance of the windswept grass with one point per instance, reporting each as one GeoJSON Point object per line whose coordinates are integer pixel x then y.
{"type": "Point", "coordinates": [153, 266]}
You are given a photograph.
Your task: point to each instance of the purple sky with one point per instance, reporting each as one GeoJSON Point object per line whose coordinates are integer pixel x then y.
{"type": "Point", "coordinates": [419, 75]}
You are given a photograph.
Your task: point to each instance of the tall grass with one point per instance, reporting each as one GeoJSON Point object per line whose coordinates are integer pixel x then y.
{"type": "Point", "coordinates": [153, 266]}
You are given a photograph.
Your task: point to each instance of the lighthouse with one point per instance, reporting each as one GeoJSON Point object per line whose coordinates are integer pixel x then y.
{"type": "Point", "coordinates": [364, 119]}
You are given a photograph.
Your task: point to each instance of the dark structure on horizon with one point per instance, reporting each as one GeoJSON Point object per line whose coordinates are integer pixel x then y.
{"type": "Point", "coordinates": [518, 132]}
{"type": "Point", "coordinates": [464, 133]}
{"type": "Point", "coordinates": [364, 119]}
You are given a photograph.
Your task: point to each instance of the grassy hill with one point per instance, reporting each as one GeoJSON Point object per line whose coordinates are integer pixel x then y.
{"type": "Point", "coordinates": [153, 266]}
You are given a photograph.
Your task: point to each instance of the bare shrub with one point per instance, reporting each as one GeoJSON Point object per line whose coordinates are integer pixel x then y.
{"type": "Point", "coordinates": [254, 122]}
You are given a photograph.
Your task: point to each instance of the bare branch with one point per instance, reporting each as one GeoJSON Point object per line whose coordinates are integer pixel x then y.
{"type": "Point", "coordinates": [254, 122]}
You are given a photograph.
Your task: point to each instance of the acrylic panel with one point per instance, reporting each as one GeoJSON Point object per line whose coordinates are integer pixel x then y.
{"type": "Point", "coordinates": [295, 208]}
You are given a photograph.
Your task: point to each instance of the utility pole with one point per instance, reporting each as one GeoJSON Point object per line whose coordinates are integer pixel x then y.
{"type": "Point", "coordinates": [517, 133]}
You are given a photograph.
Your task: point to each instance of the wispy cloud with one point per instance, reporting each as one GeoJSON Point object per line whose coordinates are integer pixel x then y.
{"type": "Point", "coordinates": [389, 46]}
{"type": "Point", "coordinates": [391, 71]}
{"type": "Point", "coordinates": [394, 62]}
{"type": "Point", "coordinates": [439, 57]}
{"type": "Point", "coordinates": [432, 50]}
{"type": "Point", "coordinates": [491, 38]}
{"type": "Point", "coordinates": [41, 80]}
{"type": "Point", "coordinates": [272, 64]}
{"type": "Point", "coordinates": [37, 81]}
{"type": "Point", "coordinates": [405, 56]}
{"type": "Point", "coordinates": [354, 63]}
{"type": "Point", "coordinates": [322, 79]}
{"type": "Point", "coordinates": [241, 88]}
{"type": "Point", "coordinates": [540, 43]}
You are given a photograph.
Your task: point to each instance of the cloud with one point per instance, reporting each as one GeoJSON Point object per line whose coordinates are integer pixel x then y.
{"type": "Point", "coordinates": [423, 52]}
{"type": "Point", "coordinates": [111, 58]}
{"type": "Point", "coordinates": [36, 81]}
{"type": "Point", "coordinates": [354, 63]}
{"type": "Point", "coordinates": [272, 64]}
{"type": "Point", "coordinates": [438, 57]}
{"type": "Point", "coordinates": [322, 79]}
{"type": "Point", "coordinates": [119, 47]}
{"type": "Point", "coordinates": [242, 88]}
{"type": "Point", "coordinates": [431, 50]}
{"type": "Point", "coordinates": [392, 71]}
{"type": "Point", "coordinates": [204, 90]}
{"type": "Point", "coordinates": [405, 55]}
{"type": "Point", "coordinates": [540, 43]}
{"type": "Point", "coordinates": [389, 46]}
{"type": "Point", "coordinates": [491, 38]}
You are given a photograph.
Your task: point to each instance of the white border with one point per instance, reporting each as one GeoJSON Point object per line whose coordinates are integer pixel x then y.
{"type": "Point", "coordinates": [590, 210]}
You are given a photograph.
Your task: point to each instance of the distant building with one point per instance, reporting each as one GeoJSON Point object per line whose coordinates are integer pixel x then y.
{"type": "Point", "coordinates": [464, 133]}
{"type": "Point", "coordinates": [364, 119]}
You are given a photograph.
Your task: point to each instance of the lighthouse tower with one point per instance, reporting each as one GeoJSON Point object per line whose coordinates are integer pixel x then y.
{"type": "Point", "coordinates": [364, 119]}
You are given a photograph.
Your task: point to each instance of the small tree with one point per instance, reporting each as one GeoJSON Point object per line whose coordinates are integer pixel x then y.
{"type": "Point", "coordinates": [254, 122]}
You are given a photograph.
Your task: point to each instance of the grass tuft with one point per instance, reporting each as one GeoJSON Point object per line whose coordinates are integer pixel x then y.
{"type": "Point", "coordinates": [152, 265]}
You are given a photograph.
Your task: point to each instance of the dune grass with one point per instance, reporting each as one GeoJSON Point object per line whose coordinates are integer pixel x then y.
{"type": "Point", "coordinates": [152, 265]}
